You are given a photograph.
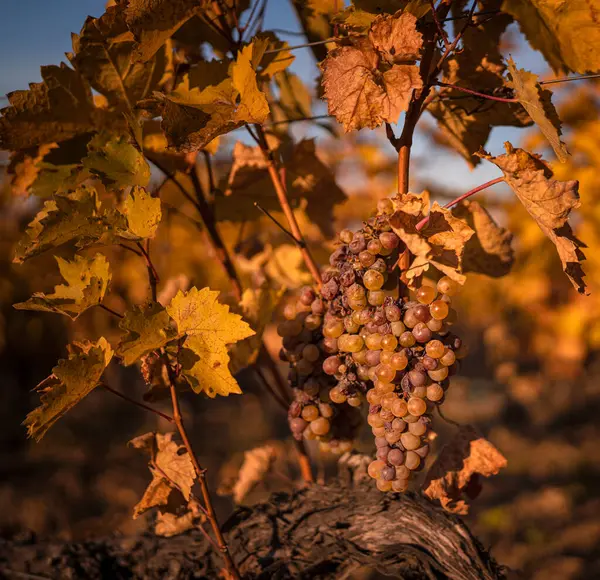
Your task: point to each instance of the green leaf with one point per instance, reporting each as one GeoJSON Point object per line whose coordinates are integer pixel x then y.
{"type": "Point", "coordinates": [116, 162]}
{"type": "Point", "coordinates": [86, 280]}
{"type": "Point", "coordinates": [67, 217]}
{"type": "Point", "coordinates": [213, 99]}
{"type": "Point", "coordinates": [209, 327]}
{"type": "Point", "coordinates": [71, 380]}
{"type": "Point", "coordinates": [57, 109]}
{"type": "Point", "coordinates": [566, 33]}
{"type": "Point", "coordinates": [104, 53]}
{"type": "Point", "coordinates": [537, 102]}
{"type": "Point", "coordinates": [147, 328]}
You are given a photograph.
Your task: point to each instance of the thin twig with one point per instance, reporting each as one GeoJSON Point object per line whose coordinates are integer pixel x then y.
{"type": "Point", "coordinates": [137, 403]}
{"type": "Point", "coordinates": [476, 93]}
{"type": "Point", "coordinates": [288, 121]}
{"type": "Point", "coordinates": [305, 45]}
{"type": "Point", "coordinates": [439, 25]}
{"type": "Point", "coordinates": [209, 170]}
{"type": "Point", "coordinates": [152, 273]}
{"type": "Point", "coordinates": [284, 202]}
{"type": "Point", "coordinates": [126, 247]}
{"type": "Point", "coordinates": [299, 243]}
{"type": "Point", "coordinates": [462, 197]}
{"type": "Point", "coordinates": [113, 312]}
{"type": "Point", "coordinates": [451, 421]}
{"type": "Point", "coordinates": [276, 397]}
{"type": "Point", "coordinates": [467, 15]}
{"type": "Point", "coordinates": [568, 79]}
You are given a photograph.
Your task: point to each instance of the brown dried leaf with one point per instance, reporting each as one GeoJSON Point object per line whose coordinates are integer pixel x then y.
{"type": "Point", "coordinates": [257, 463]}
{"type": "Point", "coordinates": [453, 478]}
{"type": "Point", "coordinates": [168, 524]}
{"type": "Point", "coordinates": [156, 494]}
{"type": "Point", "coordinates": [357, 95]}
{"type": "Point", "coordinates": [490, 250]}
{"type": "Point", "coordinates": [396, 37]}
{"type": "Point", "coordinates": [548, 201]}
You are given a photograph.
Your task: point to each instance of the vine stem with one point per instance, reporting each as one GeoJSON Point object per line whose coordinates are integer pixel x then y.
{"type": "Point", "coordinates": [137, 403]}
{"type": "Point", "coordinates": [284, 202]}
{"type": "Point", "coordinates": [477, 93]}
{"type": "Point", "coordinates": [462, 197]}
{"type": "Point", "coordinates": [111, 311]}
{"type": "Point", "coordinates": [200, 472]}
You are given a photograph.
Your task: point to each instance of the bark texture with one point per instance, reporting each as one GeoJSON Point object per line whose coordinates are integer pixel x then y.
{"type": "Point", "coordinates": [321, 532]}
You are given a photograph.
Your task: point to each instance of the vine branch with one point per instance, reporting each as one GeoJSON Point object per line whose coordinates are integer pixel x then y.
{"type": "Point", "coordinates": [137, 403]}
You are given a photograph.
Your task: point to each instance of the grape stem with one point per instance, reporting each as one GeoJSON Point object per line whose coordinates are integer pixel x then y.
{"type": "Point", "coordinates": [299, 243]}
{"type": "Point", "coordinates": [476, 93]}
{"type": "Point", "coordinates": [137, 403]}
{"type": "Point", "coordinates": [462, 197]}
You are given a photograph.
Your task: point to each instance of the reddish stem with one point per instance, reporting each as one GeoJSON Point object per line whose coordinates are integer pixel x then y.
{"type": "Point", "coordinates": [477, 93]}
{"type": "Point", "coordinates": [460, 198]}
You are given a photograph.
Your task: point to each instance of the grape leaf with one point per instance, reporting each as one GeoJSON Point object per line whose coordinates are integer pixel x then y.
{"type": "Point", "coordinates": [451, 478]}
{"type": "Point", "coordinates": [489, 251]}
{"type": "Point", "coordinates": [71, 380]}
{"type": "Point", "coordinates": [156, 494]}
{"type": "Point", "coordinates": [257, 307]}
{"type": "Point", "coordinates": [351, 17]}
{"type": "Point", "coordinates": [116, 162]}
{"type": "Point", "coordinates": [147, 328]}
{"type": "Point", "coordinates": [169, 461]}
{"type": "Point", "coordinates": [103, 53]}
{"type": "Point", "coordinates": [54, 110]}
{"type": "Point", "coordinates": [71, 216]}
{"type": "Point", "coordinates": [213, 99]}
{"type": "Point", "coordinates": [537, 102]}
{"type": "Point", "coordinates": [257, 463]}
{"type": "Point", "coordinates": [357, 96]}
{"type": "Point", "coordinates": [440, 243]}
{"type": "Point", "coordinates": [86, 280]}
{"type": "Point", "coordinates": [566, 33]}
{"type": "Point", "coordinates": [139, 216]}
{"type": "Point", "coordinates": [24, 167]}
{"type": "Point", "coordinates": [465, 121]}
{"type": "Point", "coordinates": [169, 525]}
{"type": "Point", "coordinates": [153, 22]}
{"type": "Point", "coordinates": [268, 65]}
{"type": "Point", "coordinates": [209, 327]}
{"type": "Point", "coordinates": [396, 37]}
{"type": "Point", "coordinates": [306, 177]}
{"type": "Point", "coordinates": [548, 201]}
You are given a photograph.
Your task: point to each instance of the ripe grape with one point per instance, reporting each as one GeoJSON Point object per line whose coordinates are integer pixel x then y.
{"type": "Point", "coordinates": [426, 294]}
{"type": "Point", "coordinates": [373, 280]}
{"type": "Point", "coordinates": [447, 286]}
{"type": "Point", "coordinates": [439, 309]}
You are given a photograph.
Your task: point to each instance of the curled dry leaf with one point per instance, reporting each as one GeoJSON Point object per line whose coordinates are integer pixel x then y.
{"type": "Point", "coordinates": [489, 251]}
{"type": "Point", "coordinates": [358, 95]}
{"type": "Point", "coordinates": [396, 37]}
{"type": "Point", "coordinates": [257, 463]}
{"type": "Point", "coordinates": [548, 201]}
{"type": "Point", "coordinates": [453, 477]}
{"type": "Point", "coordinates": [168, 524]}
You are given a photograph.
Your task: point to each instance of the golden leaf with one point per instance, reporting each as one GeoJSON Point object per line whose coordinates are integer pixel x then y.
{"type": "Point", "coordinates": [396, 37]}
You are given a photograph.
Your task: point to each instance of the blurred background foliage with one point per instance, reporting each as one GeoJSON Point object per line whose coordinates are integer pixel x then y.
{"type": "Point", "coordinates": [531, 382]}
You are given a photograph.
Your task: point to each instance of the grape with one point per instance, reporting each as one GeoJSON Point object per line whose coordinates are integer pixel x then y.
{"type": "Point", "coordinates": [373, 280]}
{"type": "Point", "coordinates": [337, 395]}
{"type": "Point", "coordinates": [397, 328]}
{"type": "Point", "coordinates": [318, 306]}
{"type": "Point", "coordinates": [360, 356]}
{"type": "Point", "coordinates": [310, 413]}
{"type": "Point", "coordinates": [382, 453]}
{"type": "Point", "coordinates": [346, 236]}
{"type": "Point", "coordinates": [417, 378]}
{"type": "Point", "coordinates": [385, 206]}
{"type": "Point", "coordinates": [374, 420]}
{"type": "Point", "coordinates": [312, 322]}
{"type": "Point", "coordinates": [435, 348]}
{"type": "Point", "coordinates": [333, 328]}
{"type": "Point", "coordinates": [311, 387]}
{"type": "Point", "coordinates": [372, 373]}
{"type": "Point", "coordinates": [407, 339]}
{"type": "Point", "coordinates": [355, 292]}
{"type": "Point", "coordinates": [402, 472]}
{"type": "Point", "coordinates": [374, 247]}
{"type": "Point", "coordinates": [435, 392]}
{"type": "Point", "coordinates": [378, 431]}
{"type": "Point", "coordinates": [326, 410]}
{"type": "Point", "coordinates": [373, 397]}
{"type": "Point", "coordinates": [355, 400]}
{"type": "Point", "coordinates": [419, 392]}
{"type": "Point", "coordinates": [384, 388]}
{"type": "Point", "coordinates": [395, 457]}
{"type": "Point", "coordinates": [330, 345]}
{"type": "Point", "coordinates": [379, 266]}
{"type": "Point", "coordinates": [426, 294]}
{"type": "Point", "coordinates": [410, 319]}
{"type": "Point", "coordinates": [376, 297]}
{"type": "Point", "coordinates": [389, 342]}
{"type": "Point", "coordinates": [393, 436]}
{"type": "Point", "coordinates": [388, 474]}
{"type": "Point", "coordinates": [297, 425]}
{"type": "Point", "coordinates": [416, 406]}
{"type": "Point", "coordinates": [373, 341]}
{"type": "Point", "coordinates": [329, 289]}
{"type": "Point", "coordinates": [307, 295]}
{"type": "Point", "coordinates": [385, 373]}
{"type": "Point", "coordinates": [386, 356]}
{"type": "Point", "coordinates": [399, 408]}
{"type": "Point", "coordinates": [375, 467]}
{"type": "Point", "coordinates": [289, 311]}
{"type": "Point", "coordinates": [400, 485]}
{"type": "Point", "coordinates": [388, 400]}
{"type": "Point", "coordinates": [423, 451]}
{"type": "Point", "coordinates": [412, 460]}
{"type": "Point", "coordinates": [363, 372]}
{"type": "Point", "coordinates": [331, 365]}
{"type": "Point", "coordinates": [438, 309]}
{"type": "Point", "coordinates": [435, 325]}
{"type": "Point", "coordinates": [438, 374]}
{"type": "Point", "coordinates": [358, 244]}
{"type": "Point", "coordinates": [448, 358]}
{"type": "Point", "coordinates": [398, 361]}
{"type": "Point", "coordinates": [304, 367]}
{"type": "Point", "coordinates": [429, 363]}
{"type": "Point", "coordinates": [393, 313]}
{"type": "Point", "coordinates": [419, 429]}
{"type": "Point", "coordinates": [384, 485]}
{"type": "Point", "coordinates": [410, 441]}
{"type": "Point", "coordinates": [386, 415]}
{"type": "Point", "coordinates": [447, 286]}
{"type": "Point", "coordinates": [366, 316]}
{"type": "Point", "coordinates": [421, 332]}
{"type": "Point", "coordinates": [366, 258]}
{"type": "Point", "coordinates": [389, 240]}
{"type": "Point", "coordinates": [421, 313]}
{"type": "Point", "coordinates": [410, 418]}
{"type": "Point", "coordinates": [380, 442]}
{"type": "Point", "coordinates": [320, 426]}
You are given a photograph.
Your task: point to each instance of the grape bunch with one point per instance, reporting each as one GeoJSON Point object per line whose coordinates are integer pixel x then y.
{"type": "Point", "coordinates": [312, 414]}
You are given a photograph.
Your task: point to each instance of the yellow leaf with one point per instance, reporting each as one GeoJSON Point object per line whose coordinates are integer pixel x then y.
{"type": "Point", "coordinates": [86, 279]}
{"type": "Point", "coordinates": [71, 380]}
{"type": "Point", "coordinates": [142, 213]}
{"type": "Point", "coordinates": [209, 327]}
{"type": "Point", "coordinates": [257, 463]}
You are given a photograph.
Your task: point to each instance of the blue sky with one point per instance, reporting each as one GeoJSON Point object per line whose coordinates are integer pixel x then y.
{"type": "Point", "coordinates": [38, 32]}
